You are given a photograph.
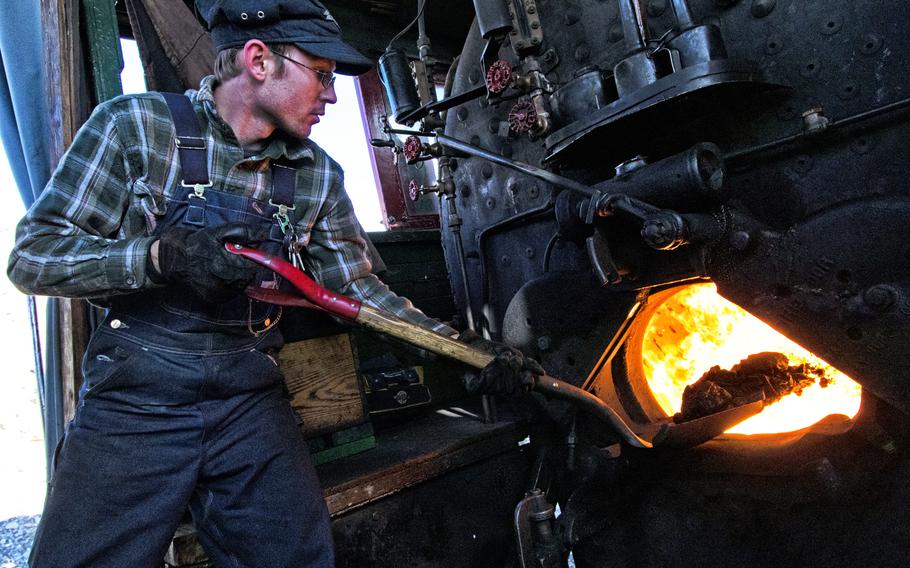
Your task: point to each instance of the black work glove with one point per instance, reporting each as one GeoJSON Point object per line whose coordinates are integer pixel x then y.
{"type": "Point", "coordinates": [509, 373]}
{"type": "Point", "coordinates": [199, 260]}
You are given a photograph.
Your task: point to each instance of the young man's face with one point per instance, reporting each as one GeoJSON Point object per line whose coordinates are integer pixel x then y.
{"type": "Point", "coordinates": [297, 98]}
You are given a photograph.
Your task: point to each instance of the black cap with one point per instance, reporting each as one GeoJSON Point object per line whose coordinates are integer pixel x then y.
{"type": "Point", "coordinates": [304, 23]}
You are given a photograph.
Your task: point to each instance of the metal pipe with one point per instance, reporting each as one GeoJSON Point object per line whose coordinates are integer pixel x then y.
{"type": "Point", "coordinates": [562, 390]}
{"type": "Point", "coordinates": [842, 123]}
{"type": "Point", "coordinates": [453, 222]}
{"type": "Point", "coordinates": [683, 14]}
{"type": "Point", "coordinates": [492, 17]}
{"type": "Point", "coordinates": [632, 29]}
{"type": "Point", "coordinates": [423, 41]}
{"type": "Point", "coordinates": [36, 350]}
{"type": "Point", "coordinates": [534, 171]}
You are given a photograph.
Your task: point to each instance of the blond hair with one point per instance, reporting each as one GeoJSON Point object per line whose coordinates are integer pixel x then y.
{"type": "Point", "coordinates": [228, 65]}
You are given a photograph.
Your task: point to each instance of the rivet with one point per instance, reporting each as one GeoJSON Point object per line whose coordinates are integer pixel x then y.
{"type": "Point", "coordinates": [244, 16]}
{"type": "Point", "coordinates": [491, 203]}
{"type": "Point", "coordinates": [533, 192]}
{"type": "Point", "coordinates": [811, 69]}
{"type": "Point", "coordinates": [462, 113]}
{"type": "Point", "coordinates": [475, 140]}
{"type": "Point", "coordinates": [615, 33]}
{"type": "Point", "coordinates": [116, 324]}
{"type": "Point", "coordinates": [260, 14]}
{"type": "Point", "coordinates": [535, 25]}
{"type": "Point", "coordinates": [656, 7]}
{"type": "Point", "coordinates": [506, 260]}
{"type": "Point", "coordinates": [774, 44]}
{"type": "Point", "coordinates": [535, 40]}
{"type": "Point", "coordinates": [529, 252]}
{"type": "Point", "coordinates": [832, 24]}
{"type": "Point", "coordinates": [761, 8]}
{"type": "Point", "coordinates": [739, 240]}
{"type": "Point", "coordinates": [871, 44]}
{"type": "Point", "coordinates": [544, 342]}
{"type": "Point", "coordinates": [486, 171]}
{"type": "Point", "coordinates": [582, 52]}
{"type": "Point", "coordinates": [849, 90]}
{"type": "Point", "coordinates": [860, 146]}
{"type": "Point", "coordinates": [532, 9]}
{"type": "Point", "coordinates": [493, 125]}
{"type": "Point", "coordinates": [880, 297]}
{"type": "Point", "coordinates": [803, 163]}
{"type": "Point", "coordinates": [787, 113]}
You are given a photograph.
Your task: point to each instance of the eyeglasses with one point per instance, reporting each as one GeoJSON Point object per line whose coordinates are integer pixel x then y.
{"type": "Point", "coordinates": [327, 78]}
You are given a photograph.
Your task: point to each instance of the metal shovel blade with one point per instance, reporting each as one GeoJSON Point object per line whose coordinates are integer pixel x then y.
{"type": "Point", "coordinates": [696, 432]}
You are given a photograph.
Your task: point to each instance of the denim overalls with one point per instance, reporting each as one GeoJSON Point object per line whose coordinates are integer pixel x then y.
{"type": "Point", "coordinates": [183, 406]}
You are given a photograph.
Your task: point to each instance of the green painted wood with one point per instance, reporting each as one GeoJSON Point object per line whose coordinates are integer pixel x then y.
{"type": "Point", "coordinates": [352, 434]}
{"type": "Point", "coordinates": [104, 47]}
{"type": "Point", "coordinates": [344, 450]}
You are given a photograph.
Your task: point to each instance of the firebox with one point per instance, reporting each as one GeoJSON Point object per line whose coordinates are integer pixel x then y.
{"type": "Point", "coordinates": [686, 331]}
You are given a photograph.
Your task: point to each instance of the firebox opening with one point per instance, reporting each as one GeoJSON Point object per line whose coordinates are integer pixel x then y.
{"type": "Point", "coordinates": [694, 328]}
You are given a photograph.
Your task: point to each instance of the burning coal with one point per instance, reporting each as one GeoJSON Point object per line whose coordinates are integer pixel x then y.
{"type": "Point", "coordinates": [696, 330]}
{"type": "Point", "coordinates": [763, 376]}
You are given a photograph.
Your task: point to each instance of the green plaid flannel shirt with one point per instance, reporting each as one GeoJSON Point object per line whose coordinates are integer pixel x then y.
{"type": "Point", "coordinates": [88, 234]}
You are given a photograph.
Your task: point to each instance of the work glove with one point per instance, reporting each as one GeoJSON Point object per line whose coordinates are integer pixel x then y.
{"type": "Point", "coordinates": [510, 373]}
{"type": "Point", "coordinates": [198, 259]}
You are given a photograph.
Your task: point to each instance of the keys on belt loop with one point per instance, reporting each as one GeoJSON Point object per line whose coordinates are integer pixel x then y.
{"type": "Point", "coordinates": [294, 247]}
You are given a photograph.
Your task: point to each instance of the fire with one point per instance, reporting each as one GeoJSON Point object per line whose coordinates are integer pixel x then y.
{"type": "Point", "coordinates": [696, 329]}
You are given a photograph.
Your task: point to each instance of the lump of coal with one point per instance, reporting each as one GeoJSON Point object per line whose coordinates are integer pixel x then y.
{"type": "Point", "coordinates": [762, 375]}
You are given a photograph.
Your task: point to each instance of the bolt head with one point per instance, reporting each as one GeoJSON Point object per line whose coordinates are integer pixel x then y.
{"type": "Point", "coordinates": [880, 297]}
{"type": "Point", "coordinates": [739, 240]}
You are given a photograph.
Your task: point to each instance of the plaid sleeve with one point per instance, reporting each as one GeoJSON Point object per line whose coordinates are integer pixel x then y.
{"type": "Point", "coordinates": [71, 242]}
{"type": "Point", "coordinates": [340, 261]}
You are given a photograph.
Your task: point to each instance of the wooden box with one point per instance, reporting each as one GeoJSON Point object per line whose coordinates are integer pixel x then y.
{"type": "Point", "coordinates": [321, 375]}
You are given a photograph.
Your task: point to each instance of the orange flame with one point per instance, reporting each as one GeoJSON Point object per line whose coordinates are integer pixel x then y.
{"type": "Point", "coordinates": [696, 329]}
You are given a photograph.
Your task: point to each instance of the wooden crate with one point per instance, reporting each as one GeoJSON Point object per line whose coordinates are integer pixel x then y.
{"type": "Point", "coordinates": [321, 375]}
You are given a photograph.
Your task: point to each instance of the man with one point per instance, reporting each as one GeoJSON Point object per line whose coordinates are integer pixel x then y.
{"type": "Point", "coordinates": [183, 404]}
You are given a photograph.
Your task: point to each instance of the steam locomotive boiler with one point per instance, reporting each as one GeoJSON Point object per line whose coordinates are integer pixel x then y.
{"type": "Point", "coordinates": [599, 157]}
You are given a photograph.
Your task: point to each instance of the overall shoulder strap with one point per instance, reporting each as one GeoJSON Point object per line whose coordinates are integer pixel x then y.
{"type": "Point", "coordinates": [284, 182]}
{"type": "Point", "coordinates": [190, 143]}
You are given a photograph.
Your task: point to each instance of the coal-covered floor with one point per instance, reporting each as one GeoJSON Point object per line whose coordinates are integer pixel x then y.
{"type": "Point", "coordinates": [16, 536]}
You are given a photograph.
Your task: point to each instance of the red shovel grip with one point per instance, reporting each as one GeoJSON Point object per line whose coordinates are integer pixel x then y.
{"type": "Point", "coordinates": [331, 302]}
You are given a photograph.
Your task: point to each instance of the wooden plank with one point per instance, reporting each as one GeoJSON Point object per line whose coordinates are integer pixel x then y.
{"type": "Point", "coordinates": [411, 454]}
{"type": "Point", "coordinates": [71, 105]}
{"type": "Point", "coordinates": [321, 375]}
